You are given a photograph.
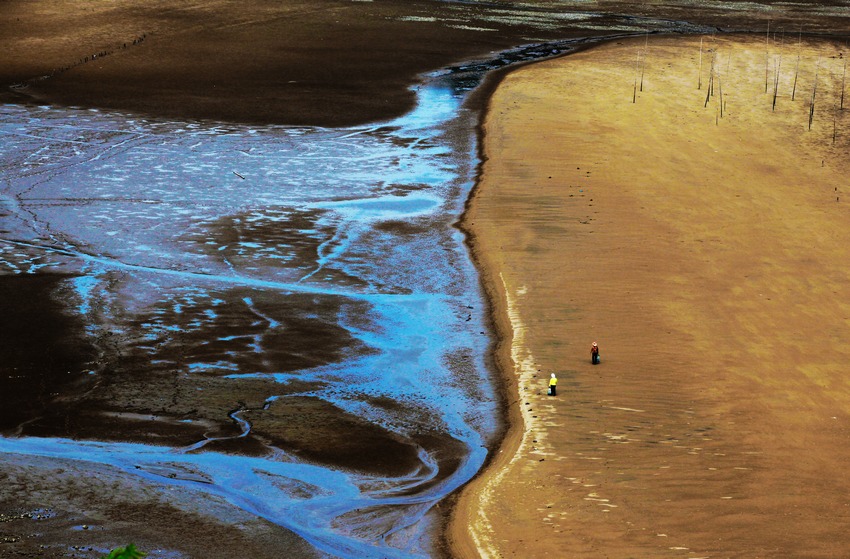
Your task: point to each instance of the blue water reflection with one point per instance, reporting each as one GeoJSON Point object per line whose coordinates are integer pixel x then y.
{"type": "Point", "coordinates": [155, 220]}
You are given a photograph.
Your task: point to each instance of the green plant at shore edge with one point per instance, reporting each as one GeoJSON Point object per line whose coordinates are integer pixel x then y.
{"type": "Point", "coordinates": [129, 552]}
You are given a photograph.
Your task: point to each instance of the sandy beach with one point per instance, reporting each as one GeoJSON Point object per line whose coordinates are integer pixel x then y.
{"type": "Point", "coordinates": [668, 199]}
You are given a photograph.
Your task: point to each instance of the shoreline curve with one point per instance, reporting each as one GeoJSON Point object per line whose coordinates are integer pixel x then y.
{"type": "Point", "coordinates": [697, 399]}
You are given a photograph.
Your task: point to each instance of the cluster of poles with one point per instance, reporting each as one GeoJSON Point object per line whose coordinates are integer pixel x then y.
{"type": "Point", "coordinates": [776, 62]}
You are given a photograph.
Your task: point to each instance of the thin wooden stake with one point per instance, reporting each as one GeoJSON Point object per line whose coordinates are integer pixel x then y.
{"type": "Point", "coordinates": [720, 89]}
{"type": "Point", "coordinates": [634, 91]}
{"type": "Point", "coordinates": [766, 55]}
{"type": "Point", "coordinates": [797, 66]}
{"type": "Point", "coordinates": [796, 72]}
{"type": "Point", "coordinates": [710, 88]}
{"type": "Point", "coordinates": [834, 122]}
{"type": "Point", "coordinates": [814, 92]}
{"type": "Point", "coordinates": [699, 78]}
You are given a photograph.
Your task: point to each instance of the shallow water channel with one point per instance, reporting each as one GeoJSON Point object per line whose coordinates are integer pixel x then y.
{"type": "Point", "coordinates": [284, 317]}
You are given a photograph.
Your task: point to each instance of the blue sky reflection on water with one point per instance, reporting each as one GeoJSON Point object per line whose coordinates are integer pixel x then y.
{"type": "Point", "coordinates": [157, 219]}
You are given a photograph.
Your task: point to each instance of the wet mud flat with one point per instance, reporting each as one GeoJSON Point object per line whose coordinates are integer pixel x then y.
{"type": "Point", "coordinates": [288, 314]}
{"type": "Point", "coordinates": [249, 306]}
{"type": "Point", "coordinates": [276, 328]}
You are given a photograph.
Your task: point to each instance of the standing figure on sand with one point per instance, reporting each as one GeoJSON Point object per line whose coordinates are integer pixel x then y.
{"type": "Point", "coordinates": [594, 354]}
{"type": "Point", "coordinates": [553, 385]}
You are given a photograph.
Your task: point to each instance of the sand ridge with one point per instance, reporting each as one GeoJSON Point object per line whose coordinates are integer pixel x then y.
{"type": "Point", "coordinates": [704, 246]}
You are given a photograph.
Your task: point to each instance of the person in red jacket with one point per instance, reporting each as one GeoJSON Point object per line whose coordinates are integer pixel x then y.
{"type": "Point", "coordinates": [594, 354]}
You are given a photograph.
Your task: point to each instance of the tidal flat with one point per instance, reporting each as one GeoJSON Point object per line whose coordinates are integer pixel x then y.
{"type": "Point", "coordinates": [238, 315]}
{"type": "Point", "coordinates": [285, 318]}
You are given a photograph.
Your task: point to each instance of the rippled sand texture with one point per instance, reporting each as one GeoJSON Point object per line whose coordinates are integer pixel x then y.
{"type": "Point", "coordinates": [701, 236]}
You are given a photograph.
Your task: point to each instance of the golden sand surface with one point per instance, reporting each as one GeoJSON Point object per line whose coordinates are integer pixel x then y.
{"type": "Point", "coordinates": [667, 198]}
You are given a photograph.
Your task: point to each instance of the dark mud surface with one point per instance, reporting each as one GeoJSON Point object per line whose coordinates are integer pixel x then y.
{"type": "Point", "coordinates": [279, 318]}
{"type": "Point", "coordinates": [45, 351]}
{"type": "Point", "coordinates": [103, 506]}
{"type": "Point", "coordinates": [325, 62]}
